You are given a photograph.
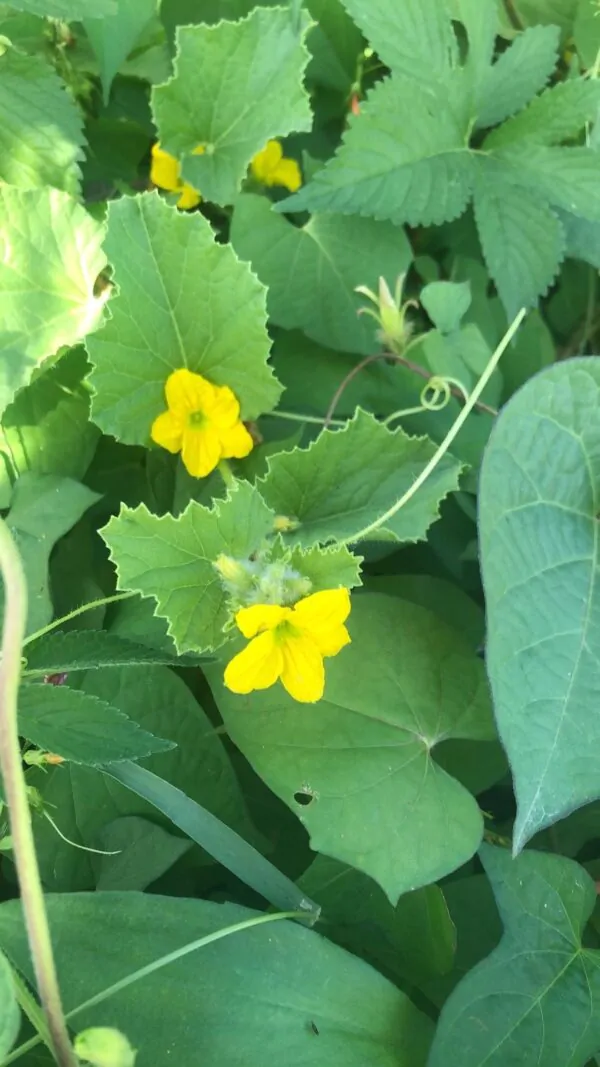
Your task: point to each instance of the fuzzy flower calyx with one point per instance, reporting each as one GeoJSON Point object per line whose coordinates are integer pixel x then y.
{"type": "Point", "coordinates": [202, 422]}
{"type": "Point", "coordinates": [290, 643]}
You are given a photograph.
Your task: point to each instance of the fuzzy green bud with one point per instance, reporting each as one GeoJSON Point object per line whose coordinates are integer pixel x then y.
{"type": "Point", "coordinates": [104, 1047]}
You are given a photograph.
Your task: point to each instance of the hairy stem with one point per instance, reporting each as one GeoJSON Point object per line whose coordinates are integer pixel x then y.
{"type": "Point", "coordinates": [73, 615]}
{"type": "Point", "coordinates": [15, 790]}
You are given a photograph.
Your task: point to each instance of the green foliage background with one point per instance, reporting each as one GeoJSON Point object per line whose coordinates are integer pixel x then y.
{"type": "Point", "coordinates": [434, 819]}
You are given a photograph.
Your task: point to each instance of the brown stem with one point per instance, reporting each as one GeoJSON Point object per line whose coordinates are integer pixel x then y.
{"type": "Point", "coordinates": [403, 361]}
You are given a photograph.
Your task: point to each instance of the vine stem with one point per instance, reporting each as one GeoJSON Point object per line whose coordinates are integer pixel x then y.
{"type": "Point", "coordinates": [15, 790]}
{"type": "Point", "coordinates": [73, 615]}
{"type": "Point", "coordinates": [448, 439]}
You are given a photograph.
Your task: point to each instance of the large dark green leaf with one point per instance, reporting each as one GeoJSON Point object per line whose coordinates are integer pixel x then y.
{"type": "Point", "coordinates": [357, 767]}
{"type": "Point", "coordinates": [536, 999]}
{"type": "Point", "coordinates": [283, 990]}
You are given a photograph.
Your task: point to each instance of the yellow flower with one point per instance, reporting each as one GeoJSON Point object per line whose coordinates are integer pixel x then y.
{"type": "Point", "coordinates": [165, 172]}
{"type": "Point", "coordinates": [289, 643]}
{"type": "Point", "coordinates": [202, 422]}
{"type": "Point", "coordinates": [272, 168]}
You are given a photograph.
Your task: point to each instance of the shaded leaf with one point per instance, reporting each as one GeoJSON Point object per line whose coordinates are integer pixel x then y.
{"type": "Point", "coordinates": [297, 977]}
{"type": "Point", "coordinates": [43, 508]}
{"type": "Point", "coordinates": [535, 998]}
{"type": "Point", "coordinates": [144, 852]}
{"type": "Point", "coordinates": [221, 843]}
{"type": "Point", "coordinates": [348, 765]}
{"type": "Point", "coordinates": [113, 37]}
{"type": "Point", "coordinates": [182, 301]}
{"type": "Point", "coordinates": [82, 650]}
{"type": "Point", "coordinates": [311, 272]}
{"type": "Point", "coordinates": [413, 942]}
{"type": "Point", "coordinates": [235, 86]}
{"type": "Point", "coordinates": [538, 527]}
{"type": "Point", "coordinates": [85, 801]}
{"type": "Point", "coordinates": [325, 489]}
{"type": "Point", "coordinates": [81, 728]}
{"type": "Point", "coordinates": [556, 115]}
{"type": "Point", "coordinates": [46, 429]}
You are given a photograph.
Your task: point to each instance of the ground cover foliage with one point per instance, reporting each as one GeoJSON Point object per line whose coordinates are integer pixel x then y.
{"type": "Point", "coordinates": [300, 457]}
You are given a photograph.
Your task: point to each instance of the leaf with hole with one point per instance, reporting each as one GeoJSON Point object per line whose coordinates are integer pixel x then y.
{"type": "Point", "coordinates": [359, 769]}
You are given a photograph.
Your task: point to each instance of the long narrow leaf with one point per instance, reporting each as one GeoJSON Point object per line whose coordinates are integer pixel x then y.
{"type": "Point", "coordinates": [223, 844]}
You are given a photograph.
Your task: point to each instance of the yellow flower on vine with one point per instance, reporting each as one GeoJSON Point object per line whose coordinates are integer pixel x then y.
{"type": "Point", "coordinates": [290, 643]}
{"type": "Point", "coordinates": [271, 167]}
{"type": "Point", "coordinates": [165, 172]}
{"type": "Point", "coordinates": [202, 422]}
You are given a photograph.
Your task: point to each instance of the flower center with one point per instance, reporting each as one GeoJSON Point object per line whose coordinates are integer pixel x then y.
{"type": "Point", "coordinates": [196, 419]}
{"type": "Point", "coordinates": [284, 631]}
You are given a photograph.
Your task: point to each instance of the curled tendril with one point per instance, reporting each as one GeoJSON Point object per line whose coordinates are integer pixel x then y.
{"type": "Point", "coordinates": [434, 396]}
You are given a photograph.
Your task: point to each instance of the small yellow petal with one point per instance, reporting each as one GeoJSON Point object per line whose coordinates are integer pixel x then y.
{"type": "Point", "coordinates": [236, 442]}
{"type": "Point", "coordinates": [259, 617]}
{"type": "Point", "coordinates": [187, 392]}
{"type": "Point", "coordinates": [257, 667]}
{"type": "Point", "coordinates": [322, 615]}
{"type": "Point", "coordinates": [287, 173]}
{"type": "Point", "coordinates": [303, 674]}
{"type": "Point", "coordinates": [167, 431]}
{"type": "Point", "coordinates": [199, 150]}
{"type": "Point", "coordinates": [189, 197]}
{"type": "Point", "coordinates": [164, 170]}
{"type": "Point", "coordinates": [266, 161]}
{"type": "Point", "coordinates": [201, 450]}
{"type": "Point", "coordinates": [224, 408]}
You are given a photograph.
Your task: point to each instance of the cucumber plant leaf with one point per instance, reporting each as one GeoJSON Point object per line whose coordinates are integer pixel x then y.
{"type": "Point", "coordinates": [235, 86]}
{"type": "Point", "coordinates": [324, 490]}
{"type": "Point", "coordinates": [182, 300]}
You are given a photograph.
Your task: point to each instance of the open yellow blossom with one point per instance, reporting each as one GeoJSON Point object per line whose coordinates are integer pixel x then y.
{"type": "Point", "coordinates": [271, 167]}
{"type": "Point", "coordinates": [202, 422]}
{"type": "Point", "coordinates": [290, 643]}
{"type": "Point", "coordinates": [165, 172]}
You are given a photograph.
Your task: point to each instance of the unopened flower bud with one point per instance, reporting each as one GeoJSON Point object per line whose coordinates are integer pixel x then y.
{"type": "Point", "coordinates": [285, 524]}
{"type": "Point", "coordinates": [394, 330]}
{"type": "Point", "coordinates": [104, 1047]}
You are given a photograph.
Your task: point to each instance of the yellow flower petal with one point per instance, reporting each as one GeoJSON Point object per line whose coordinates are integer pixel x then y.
{"type": "Point", "coordinates": [322, 615]}
{"type": "Point", "coordinates": [189, 197]}
{"type": "Point", "coordinates": [303, 674]}
{"type": "Point", "coordinates": [259, 617]}
{"type": "Point", "coordinates": [266, 161]}
{"type": "Point", "coordinates": [167, 431]}
{"type": "Point", "coordinates": [236, 442]}
{"type": "Point", "coordinates": [224, 408]}
{"type": "Point", "coordinates": [164, 170]}
{"type": "Point", "coordinates": [287, 173]}
{"type": "Point", "coordinates": [201, 450]}
{"type": "Point", "coordinates": [257, 667]}
{"type": "Point", "coordinates": [187, 392]}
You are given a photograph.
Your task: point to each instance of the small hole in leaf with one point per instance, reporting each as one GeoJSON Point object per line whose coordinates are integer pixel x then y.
{"type": "Point", "coordinates": [303, 798]}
